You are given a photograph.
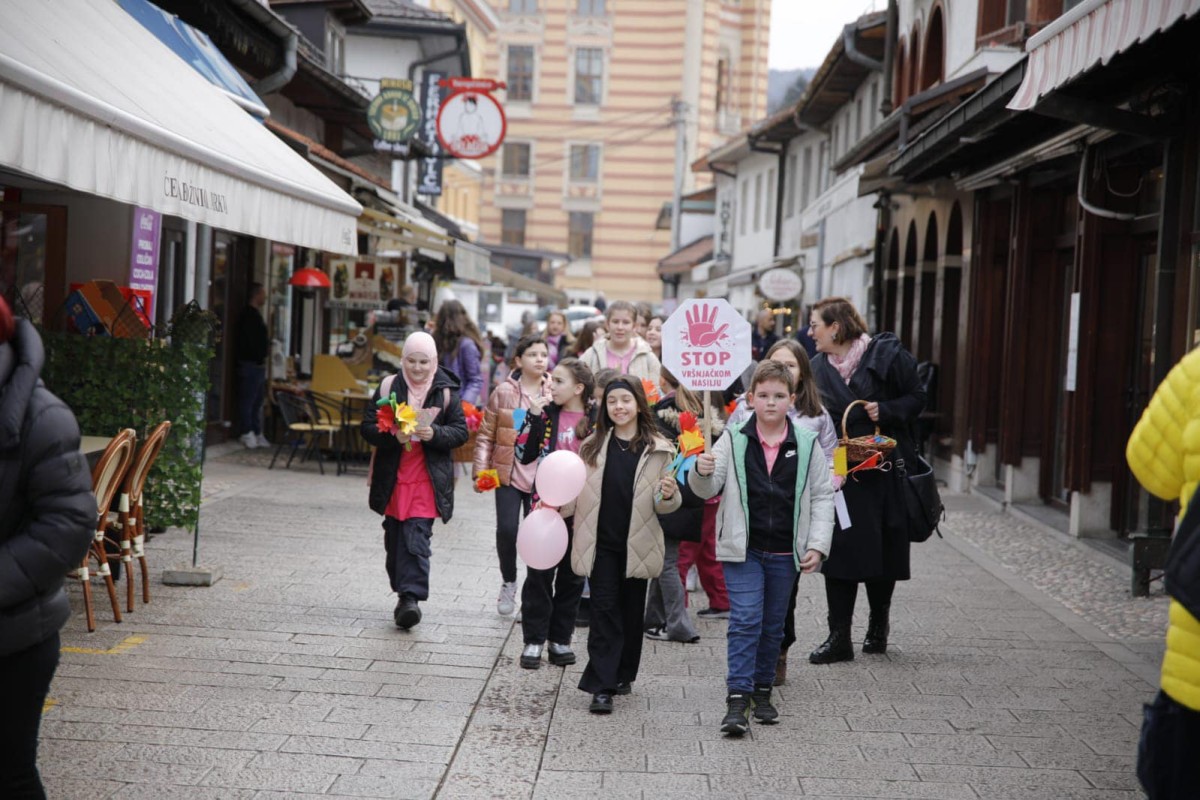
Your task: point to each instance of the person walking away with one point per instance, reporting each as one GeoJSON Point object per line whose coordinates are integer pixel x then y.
{"type": "Point", "coordinates": [460, 344]}
{"type": "Point", "coordinates": [874, 548]}
{"type": "Point", "coordinates": [253, 345]}
{"type": "Point", "coordinates": [495, 448]}
{"type": "Point", "coordinates": [550, 597]}
{"type": "Point", "coordinates": [412, 476]}
{"type": "Point", "coordinates": [618, 543]}
{"type": "Point", "coordinates": [667, 616]}
{"type": "Point", "coordinates": [763, 337]}
{"type": "Point", "coordinates": [623, 351]}
{"type": "Point", "coordinates": [781, 526]}
{"type": "Point", "coordinates": [559, 340]}
{"type": "Point", "coordinates": [47, 518]}
{"type": "Point", "coordinates": [1164, 455]}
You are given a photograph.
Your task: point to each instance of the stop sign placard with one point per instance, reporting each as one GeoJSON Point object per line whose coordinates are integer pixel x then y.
{"type": "Point", "coordinates": [706, 344]}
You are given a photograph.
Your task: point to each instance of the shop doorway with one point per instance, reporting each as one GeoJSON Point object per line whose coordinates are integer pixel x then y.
{"type": "Point", "coordinates": [232, 268]}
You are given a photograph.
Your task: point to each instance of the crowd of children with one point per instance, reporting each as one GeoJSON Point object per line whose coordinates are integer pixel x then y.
{"type": "Point", "coordinates": [753, 512]}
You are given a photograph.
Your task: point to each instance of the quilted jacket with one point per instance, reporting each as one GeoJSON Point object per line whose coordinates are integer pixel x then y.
{"type": "Point", "coordinates": [644, 364]}
{"type": "Point", "coordinates": [644, 555]}
{"type": "Point", "coordinates": [1164, 454]}
{"type": "Point", "coordinates": [813, 507]}
{"type": "Point", "coordinates": [497, 438]}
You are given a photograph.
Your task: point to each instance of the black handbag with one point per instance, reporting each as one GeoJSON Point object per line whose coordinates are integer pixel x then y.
{"type": "Point", "coordinates": [923, 504]}
{"type": "Point", "coordinates": [1181, 577]}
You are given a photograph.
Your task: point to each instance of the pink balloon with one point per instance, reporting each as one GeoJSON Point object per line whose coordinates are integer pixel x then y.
{"type": "Point", "coordinates": [560, 478]}
{"type": "Point", "coordinates": [542, 538]}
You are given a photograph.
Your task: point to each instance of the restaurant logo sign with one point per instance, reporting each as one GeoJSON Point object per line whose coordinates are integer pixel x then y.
{"type": "Point", "coordinates": [471, 123]}
{"type": "Point", "coordinates": [394, 115]}
{"type": "Point", "coordinates": [361, 283]}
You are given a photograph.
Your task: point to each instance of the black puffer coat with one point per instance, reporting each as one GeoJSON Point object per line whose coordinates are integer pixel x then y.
{"type": "Point", "coordinates": [449, 432]}
{"type": "Point", "coordinates": [47, 509]}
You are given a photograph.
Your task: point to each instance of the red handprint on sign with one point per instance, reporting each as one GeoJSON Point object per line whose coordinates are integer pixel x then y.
{"type": "Point", "coordinates": [700, 331]}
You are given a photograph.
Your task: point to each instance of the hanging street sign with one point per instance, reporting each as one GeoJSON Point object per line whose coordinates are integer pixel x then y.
{"type": "Point", "coordinates": [706, 344]}
{"type": "Point", "coordinates": [471, 123]}
{"type": "Point", "coordinates": [394, 115]}
{"type": "Point", "coordinates": [780, 284]}
{"type": "Point", "coordinates": [429, 174]}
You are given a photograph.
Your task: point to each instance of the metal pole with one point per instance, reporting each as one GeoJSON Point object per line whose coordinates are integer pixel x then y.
{"type": "Point", "coordinates": [679, 110]}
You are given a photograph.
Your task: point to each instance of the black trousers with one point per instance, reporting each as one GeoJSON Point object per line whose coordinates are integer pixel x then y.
{"type": "Point", "coordinates": [615, 634]}
{"type": "Point", "coordinates": [1166, 766]}
{"type": "Point", "coordinates": [26, 678]}
{"type": "Point", "coordinates": [408, 549]}
{"type": "Point", "coordinates": [550, 600]}
{"type": "Point", "coordinates": [789, 622]}
{"type": "Point", "coordinates": [511, 507]}
{"type": "Point", "coordinates": [841, 595]}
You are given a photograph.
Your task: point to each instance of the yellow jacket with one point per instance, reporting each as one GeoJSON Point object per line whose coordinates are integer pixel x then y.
{"type": "Point", "coordinates": [1164, 454]}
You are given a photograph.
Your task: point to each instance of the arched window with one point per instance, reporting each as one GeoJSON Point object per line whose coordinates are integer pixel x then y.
{"type": "Point", "coordinates": [900, 75]}
{"type": "Point", "coordinates": [914, 63]}
{"type": "Point", "coordinates": [933, 64]}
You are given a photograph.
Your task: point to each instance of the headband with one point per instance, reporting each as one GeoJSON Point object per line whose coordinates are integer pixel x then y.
{"type": "Point", "coordinates": [619, 383]}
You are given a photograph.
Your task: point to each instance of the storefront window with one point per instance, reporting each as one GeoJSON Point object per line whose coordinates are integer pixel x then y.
{"type": "Point", "coordinates": [23, 263]}
{"type": "Point", "coordinates": [283, 261]}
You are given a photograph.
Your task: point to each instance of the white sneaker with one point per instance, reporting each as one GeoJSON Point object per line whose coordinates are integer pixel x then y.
{"type": "Point", "coordinates": [693, 580]}
{"type": "Point", "coordinates": [506, 603]}
{"type": "Point", "coordinates": [263, 441]}
{"type": "Point", "coordinates": [249, 441]}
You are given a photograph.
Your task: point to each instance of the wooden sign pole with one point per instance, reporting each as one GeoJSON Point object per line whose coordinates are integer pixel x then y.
{"type": "Point", "coordinates": [707, 422]}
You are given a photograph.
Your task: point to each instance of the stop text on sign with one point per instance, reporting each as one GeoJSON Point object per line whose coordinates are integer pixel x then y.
{"type": "Point", "coordinates": [706, 344]}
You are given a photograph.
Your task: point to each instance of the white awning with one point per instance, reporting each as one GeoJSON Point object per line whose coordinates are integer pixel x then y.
{"type": "Point", "coordinates": [91, 100]}
{"type": "Point", "coordinates": [1092, 33]}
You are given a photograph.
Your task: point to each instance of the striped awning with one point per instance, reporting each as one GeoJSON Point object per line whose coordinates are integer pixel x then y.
{"type": "Point", "coordinates": [1092, 33]}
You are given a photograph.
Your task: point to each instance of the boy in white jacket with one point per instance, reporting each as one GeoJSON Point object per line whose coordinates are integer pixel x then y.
{"type": "Point", "coordinates": [775, 519]}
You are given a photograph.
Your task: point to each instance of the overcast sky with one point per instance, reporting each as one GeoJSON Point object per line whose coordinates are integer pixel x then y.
{"type": "Point", "coordinates": [803, 31]}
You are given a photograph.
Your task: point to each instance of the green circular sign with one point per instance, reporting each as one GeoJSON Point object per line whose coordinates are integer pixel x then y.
{"type": "Point", "coordinates": [394, 114]}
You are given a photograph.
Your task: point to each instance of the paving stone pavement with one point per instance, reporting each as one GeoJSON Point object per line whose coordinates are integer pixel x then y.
{"type": "Point", "coordinates": [288, 679]}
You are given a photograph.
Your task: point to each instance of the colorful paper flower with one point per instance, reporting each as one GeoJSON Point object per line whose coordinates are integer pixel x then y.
{"type": "Point", "coordinates": [651, 391]}
{"type": "Point", "coordinates": [474, 416]}
{"type": "Point", "coordinates": [487, 480]}
{"type": "Point", "coordinates": [395, 416]}
{"type": "Point", "coordinates": [731, 407]}
{"type": "Point", "coordinates": [691, 442]}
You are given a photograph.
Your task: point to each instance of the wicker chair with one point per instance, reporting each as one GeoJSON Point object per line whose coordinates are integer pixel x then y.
{"type": "Point", "coordinates": [107, 476]}
{"type": "Point", "coordinates": [129, 525]}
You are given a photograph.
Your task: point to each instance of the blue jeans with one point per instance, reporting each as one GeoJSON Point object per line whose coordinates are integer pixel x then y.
{"type": "Point", "coordinates": [252, 385]}
{"type": "Point", "coordinates": [759, 589]}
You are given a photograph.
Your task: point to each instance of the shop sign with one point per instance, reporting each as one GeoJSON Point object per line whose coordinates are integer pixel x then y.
{"type": "Point", "coordinates": [394, 115]}
{"type": "Point", "coordinates": [470, 122]}
{"type": "Point", "coordinates": [780, 284]}
{"type": "Point", "coordinates": [361, 283]}
{"type": "Point", "coordinates": [143, 259]}
{"type": "Point", "coordinates": [472, 263]}
{"type": "Point", "coordinates": [429, 175]}
{"type": "Point", "coordinates": [706, 344]}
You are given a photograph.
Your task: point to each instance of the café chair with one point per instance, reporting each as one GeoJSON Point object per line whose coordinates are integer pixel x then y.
{"type": "Point", "coordinates": [305, 423]}
{"type": "Point", "coordinates": [107, 475]}
{"type": "Point", "coordinates": [130, 524]}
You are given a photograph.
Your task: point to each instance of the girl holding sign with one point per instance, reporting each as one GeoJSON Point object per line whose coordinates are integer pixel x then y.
{"type": "Point", "coordinates": [495, 445]}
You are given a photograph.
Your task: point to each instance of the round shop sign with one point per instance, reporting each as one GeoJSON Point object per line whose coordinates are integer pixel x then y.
{"type": "Point", "coordinates": [471, 124]}
{"type": "Point", "coordinates": [394, 114]}
{"type": "Point", "coordinates": [706, 344]}
{"type": "Point", "coordinates": [780, 284]}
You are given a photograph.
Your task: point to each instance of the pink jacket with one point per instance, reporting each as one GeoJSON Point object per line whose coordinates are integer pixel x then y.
{"type": "Point", "coordinates": [495, 444]}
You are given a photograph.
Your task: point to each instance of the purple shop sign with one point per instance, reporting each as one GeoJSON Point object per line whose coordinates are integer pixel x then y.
{"type": "Point", "coordinates": [143, 261]}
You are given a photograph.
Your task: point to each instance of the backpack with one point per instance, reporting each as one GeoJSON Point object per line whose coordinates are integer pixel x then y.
{"type": "Point", "coordinates": [385, 388]}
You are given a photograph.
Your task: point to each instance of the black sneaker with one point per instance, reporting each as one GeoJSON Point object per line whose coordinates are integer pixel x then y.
{"type": "Point", "coordinates": [764, 710]}
{"type": "Point", "coordinates": [602, 703]}
{"type": "Point", "coordinates": [658, 634]}
{"type": "Point", "coordinates": [713, 613]}
{"type": "Point", "coordinates": [737, 714]}
{"type": "Point", "coordinates": [623, 687]}
{"type": "Point", "coordinates": [407, 613]}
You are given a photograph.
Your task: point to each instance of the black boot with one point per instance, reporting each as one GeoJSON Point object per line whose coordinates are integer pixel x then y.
{"type": "Point", "coordinates": [837, 647]}
{"type": "Point", "coordinates": [764, 710]}
{"type": "Point", "coordinates": [877, 631]}
{"type": "Point", "coordinates": [737, 714]}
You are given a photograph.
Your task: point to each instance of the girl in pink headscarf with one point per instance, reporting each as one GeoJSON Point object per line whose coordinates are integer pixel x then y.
{"type": "Point", "coordinates": [412, 476]}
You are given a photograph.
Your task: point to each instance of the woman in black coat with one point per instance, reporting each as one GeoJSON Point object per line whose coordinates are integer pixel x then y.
{"type": "Point", "coordinates": [873, 549]}
{"type": "Point", "coordinates": [47, 515]}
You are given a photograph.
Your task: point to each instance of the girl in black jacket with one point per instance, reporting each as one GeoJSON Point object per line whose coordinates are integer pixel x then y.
{"type": "Point", "coordinates": [47, 515]}
{"type": "Point", "coordinates": [412, 477]}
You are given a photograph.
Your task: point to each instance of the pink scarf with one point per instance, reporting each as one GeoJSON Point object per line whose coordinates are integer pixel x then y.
{"type": "Point", "coordinates": [847, 365]}
{"type": "Point", "coordinates": [420, 343]}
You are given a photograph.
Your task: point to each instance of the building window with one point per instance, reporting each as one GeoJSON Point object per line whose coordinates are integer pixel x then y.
{"type": "Point", "coordinates": [520, 72]}
{"type": "Point", "coordinates": [522, 6]}
{"type": "Point", "coordinates": [858, 120]}
{"type": "Point", "coordinates": [758, 202]}
{"type": "Point", "coordinates": [512, 226]}
{"type": "Point", "coordinates": [589, 75]}
{"type": "Point", "coordinates": [335, 50]}
{"type": "Point", "coordinates": [585, 163]}
{"type": "Point", "coordinates": [590, 8]}
{"type": "Point", "coordinates": [874, 106]}
{"type": "Point", "coordinates": [516, 160]}
{"type": "Point", "coordinates": [833, 143]}
{"type": "Point", "coordinates": [806, 178]}
{"type": "Point", "coordinates": [722, 84]}
{"type": "Point", "coordinates": [790, 208]}
{"type": "Point", "coordinates": [821, 171]}
{"type": "Point", "coordinates": [579, 234]}
{"type": "Point", "coordinates": [769, 221]}
{"type": "Point", "coordinates": [745, 206]}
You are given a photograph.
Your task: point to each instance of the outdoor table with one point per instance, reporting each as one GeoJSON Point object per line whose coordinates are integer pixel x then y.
{"type": "Point", "coordinates": [93, 445]}
{"type": "Point", "coordinates": [346, 405]}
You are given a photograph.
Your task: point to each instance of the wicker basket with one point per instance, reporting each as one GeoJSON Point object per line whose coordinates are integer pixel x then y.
{"type": "Point", "coordinates": [860, 448]}
{"type": "Point", "coordinates": [465, 454]}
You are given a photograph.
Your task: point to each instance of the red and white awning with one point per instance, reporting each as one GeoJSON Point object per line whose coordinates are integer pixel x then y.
{"type": "Point", "coordinates": [1092, 33]}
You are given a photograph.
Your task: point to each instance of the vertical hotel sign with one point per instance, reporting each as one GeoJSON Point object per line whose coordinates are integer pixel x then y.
{"type": "Point", "coordinates": [429, 178]}
{"type": "Point", "coordinates": [143, 259]}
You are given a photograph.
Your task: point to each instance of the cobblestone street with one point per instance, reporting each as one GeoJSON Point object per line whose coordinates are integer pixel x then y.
{"type": "Point", "coordinates": [1017, 669]}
